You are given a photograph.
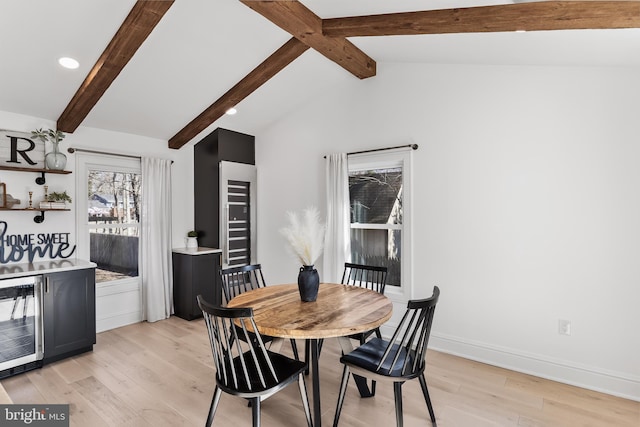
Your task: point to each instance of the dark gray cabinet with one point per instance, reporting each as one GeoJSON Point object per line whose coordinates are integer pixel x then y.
{"type": "Point", "coordinates": [195, 273]}
{"type": "Point", "coordinates": [219, 145]}
{"type": "Point", "coordinates": [69, 313]}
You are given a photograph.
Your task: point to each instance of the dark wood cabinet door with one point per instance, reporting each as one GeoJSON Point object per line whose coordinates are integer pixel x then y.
{"type": "Point", "coordinates": [69, 313]}
{"type": "Point", "coordinates": [195, 275]}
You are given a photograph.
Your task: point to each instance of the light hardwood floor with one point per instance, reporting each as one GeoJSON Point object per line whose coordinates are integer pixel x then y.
{"type": "Point", "coordinates": [160, 374]}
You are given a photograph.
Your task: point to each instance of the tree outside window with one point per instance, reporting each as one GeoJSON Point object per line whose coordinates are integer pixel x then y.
{"type": "Point", "coordinates": [113, 209]}
{"type": "Point", "coordinates": [376, 196]}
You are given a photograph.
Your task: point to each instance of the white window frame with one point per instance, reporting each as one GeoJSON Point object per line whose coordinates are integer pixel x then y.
{"type": "Point", "coordinates": [391, 159]}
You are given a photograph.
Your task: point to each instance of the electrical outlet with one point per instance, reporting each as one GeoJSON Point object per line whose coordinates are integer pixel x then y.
{"type": "Point", "coordinates": [564, 327]}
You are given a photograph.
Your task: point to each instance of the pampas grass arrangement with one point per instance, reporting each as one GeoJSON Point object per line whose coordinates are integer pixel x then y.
{"type": "Point", "coordinates": [305, 235]}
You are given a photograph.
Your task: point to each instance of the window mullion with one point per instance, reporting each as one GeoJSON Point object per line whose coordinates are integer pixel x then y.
{"type": "Point", "coordinates": [358, 225]}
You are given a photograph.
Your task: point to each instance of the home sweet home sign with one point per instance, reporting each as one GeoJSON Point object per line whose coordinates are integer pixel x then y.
{"type": "Point", "coordinates": [19, 150]}
{"type": "Point", "coordinates": [28, 247]}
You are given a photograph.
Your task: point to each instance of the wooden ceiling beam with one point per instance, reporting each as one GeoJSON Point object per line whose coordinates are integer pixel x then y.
{"type": "Point", "coordinates": [252, 81]}
{"type": "Point", "coordinates": [328, 36]}
{"type": "Point", "coordinates": [293, 17]}
{"type": "Point", "coordinates": [537, 16]}
{"type": "Point", "coordinates": [142, 19]}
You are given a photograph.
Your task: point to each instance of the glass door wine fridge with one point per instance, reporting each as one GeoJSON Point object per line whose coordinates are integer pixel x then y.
{"type": "Point", "coordinates": [21, 338]}
{"type": "Point", "coordinates": [238, 213]}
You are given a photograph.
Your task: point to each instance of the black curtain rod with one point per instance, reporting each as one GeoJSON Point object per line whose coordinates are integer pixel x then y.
{"type": "Point", "coordinates": [82, 150]}
{"type": "Point", "coordinates": [412, 146]}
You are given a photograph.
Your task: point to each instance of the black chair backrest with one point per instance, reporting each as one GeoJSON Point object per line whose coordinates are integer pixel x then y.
{"type": "Point", "coordinates": [365, 276]}
{"type": "Point", "coordinates": [237, 368]}
{"type": "Point", "coordinates": [407, 348]}
{"type": "Point", "coordinates": [236, 280]}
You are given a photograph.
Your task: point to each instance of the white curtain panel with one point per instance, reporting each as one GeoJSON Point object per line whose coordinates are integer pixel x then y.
{"type": "Point", "coordinates": [157, 275]}
{"type": "Point", "coordinates": [337, 241]}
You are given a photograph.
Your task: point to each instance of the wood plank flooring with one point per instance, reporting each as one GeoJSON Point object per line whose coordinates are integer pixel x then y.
{"type": "Point", "coordinates": [161, 374]}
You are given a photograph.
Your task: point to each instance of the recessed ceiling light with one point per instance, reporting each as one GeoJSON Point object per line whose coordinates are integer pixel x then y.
{"type": "Point", "coordinates": [231, 111]}
{"type": "Point", "coordinates": [67, 62]}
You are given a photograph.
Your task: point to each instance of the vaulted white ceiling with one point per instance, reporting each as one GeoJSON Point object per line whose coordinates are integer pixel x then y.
{"type": "Point", "coordinates": [201, 48]}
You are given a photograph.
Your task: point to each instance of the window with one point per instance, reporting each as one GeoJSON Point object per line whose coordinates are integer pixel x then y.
{"type": "Point", "coordinates": [379, 193]}
{"type": "Point", "coordinates": [113, 215]}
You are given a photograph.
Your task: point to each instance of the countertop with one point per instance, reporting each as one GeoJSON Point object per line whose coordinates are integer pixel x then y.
{"type": "Point", "coordinates": [8, 271]}
{"type": "Point", "coordinates": [200, 250]}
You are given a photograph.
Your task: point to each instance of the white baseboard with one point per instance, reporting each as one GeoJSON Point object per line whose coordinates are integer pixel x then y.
{"type": "Point", "coordinates": [610, 382]}
{"type": "Point", "coordinates": [118, 320]}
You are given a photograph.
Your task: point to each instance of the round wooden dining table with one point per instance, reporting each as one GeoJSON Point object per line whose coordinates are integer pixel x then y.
{"type": "Point", "coordinates": [339, 311]}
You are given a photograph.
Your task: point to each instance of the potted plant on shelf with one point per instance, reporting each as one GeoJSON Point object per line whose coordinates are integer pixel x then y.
{"type": "Point", "coordinates": [54, 159]}
{"type": "Point", "coordinates": [56, 201]}
{"type": "Point", "coordinates": [192, 239]}
{"type": "Point", "coordinates": [305, 236]}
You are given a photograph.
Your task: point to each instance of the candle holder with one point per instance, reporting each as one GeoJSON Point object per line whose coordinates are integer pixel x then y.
{"type": "Point", "coordinates": [30, 200]}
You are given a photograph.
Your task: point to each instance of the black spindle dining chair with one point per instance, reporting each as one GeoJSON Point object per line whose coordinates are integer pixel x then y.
{"type": "Point", "coordinates": [236, 280]}
{"type": "Point", "coordinates": [365, 276]}
{"type": "Point", "coordinates": [248, 371]}
{"type": "Point", "coordinates": [398, 360]}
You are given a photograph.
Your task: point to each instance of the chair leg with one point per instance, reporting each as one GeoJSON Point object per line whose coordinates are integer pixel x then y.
{"type": "Point", "coordinates": [305, 399]}
{"type": "Point", "coordinates": [214, 405]}
{"type": "Point", "coordinates": [343, 391]}
{"type": "Point", "coordinates": [425, 391]}
{"type": "Point", "coordinates": [231, 338]}
{"type": "Point", "coordinates": [255, 411]}
{"type": "Point", "coordinates": [397, 393]}
{"type": "Point", "coordinates": [307, 352]}
{"type": "Point", "coordinates": [363, 339]}
{"type": "Point", "coordinates": [294, 347]}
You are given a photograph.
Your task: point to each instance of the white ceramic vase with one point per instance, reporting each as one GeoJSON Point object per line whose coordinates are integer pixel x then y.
{"type": "Point", "coordinates": [192, 242]}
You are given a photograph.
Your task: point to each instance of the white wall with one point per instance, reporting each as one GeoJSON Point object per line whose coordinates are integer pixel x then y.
{"type": "Point", "coordinates": [19, 184]}
{"type": "Point", "coordinates": [527, 205]}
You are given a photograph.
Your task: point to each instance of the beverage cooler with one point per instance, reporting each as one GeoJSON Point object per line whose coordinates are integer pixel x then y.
{"type": "Point", "coordinates": [238, 213]}
{"type": "Point", "coordinates": [21, 337]}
